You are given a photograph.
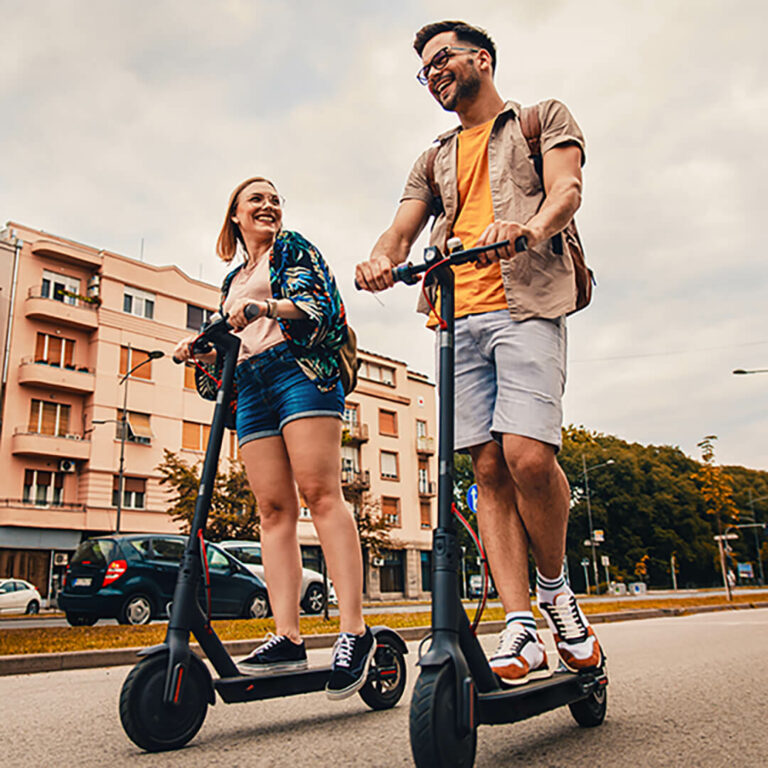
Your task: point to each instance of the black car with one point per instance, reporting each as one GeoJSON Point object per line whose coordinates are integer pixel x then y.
{"type": "Point", "coordinates": [132, 578]}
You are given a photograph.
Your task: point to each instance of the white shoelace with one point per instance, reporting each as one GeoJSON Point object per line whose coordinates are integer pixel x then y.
{"type": "Point", "coordinates": [567, 619]}
{"type": "Point", "coordinates": [271, 641]}
{"type": "Point", "coordinates": [342, 650]}
{"type": "Point", "coordinates": [512, 642]}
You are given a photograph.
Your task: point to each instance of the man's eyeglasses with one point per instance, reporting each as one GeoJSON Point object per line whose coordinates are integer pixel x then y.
{"type": "Point", "coordinates": [439, 60]}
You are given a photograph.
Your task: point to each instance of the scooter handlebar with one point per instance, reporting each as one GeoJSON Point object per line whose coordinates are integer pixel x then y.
{"type": "Point", "coordinates": [201, 344]}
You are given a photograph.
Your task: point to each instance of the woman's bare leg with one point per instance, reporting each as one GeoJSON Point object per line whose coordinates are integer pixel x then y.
{"type": "Point", "coordinates": [272, 482]}
{"type": "Point", "coordinates": [314, 447]}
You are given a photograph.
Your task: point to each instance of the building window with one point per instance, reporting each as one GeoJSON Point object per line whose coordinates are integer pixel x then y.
{"type": "Point", "coordinates": [426, 571]}
{"type": "Point", "coordinates": [54, 350]}
{"type": "Point", "coordinates": [391, 573]}
{"type": "Point", "coordinates": [46, 418]}
{"type": "Point", "coordinates": [197, 317]}
{"type": "Point", "coordinates": [138, 302]}
{"type": "Point", "coordinates": [134, 492]}
{"type": "Point", "coordinates": [390, 508]}
{"type": "Point", "coordinates": [351, 413]}
{"type": "Point", "coordinates": [138, 429]}
{"type": "Point", "coordinates": [60, 287]}
{"type": "Point", "coordinates": [375, 372]}
{"type": "Point", "coordinates": [130, 357]}
{"type": "Point", "coordinates": [194, 436]}
{"type": "Point", "coordinates": [350, 458]}
{"type": "Point", "coordinates": [426, 514]}
{"type": "Point", "coordinates": [189, 376]}
{"type": "Point", "coordinates": [421, 428]}
{"type": "Point", "coordinates": [423, 476]}
{"type": "Point", "coordinates": [387, 423]}
{"type": "Point", "coordinates": [389, 464]}
{"type": "Point", "coordinates": [43, 488]}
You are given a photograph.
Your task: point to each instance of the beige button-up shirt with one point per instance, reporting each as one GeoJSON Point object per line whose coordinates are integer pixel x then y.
{"type": "Point", "coordinates": [538, 282]}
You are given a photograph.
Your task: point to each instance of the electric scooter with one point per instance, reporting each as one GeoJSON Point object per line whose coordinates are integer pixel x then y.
{"type": "Point", "coordinates": [456, 690]}
{"type": "Point", "coordinates": [165, 698]}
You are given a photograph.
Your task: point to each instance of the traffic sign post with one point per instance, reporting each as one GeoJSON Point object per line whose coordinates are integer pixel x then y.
{"type": "Point", "coordinates": [585, 566]}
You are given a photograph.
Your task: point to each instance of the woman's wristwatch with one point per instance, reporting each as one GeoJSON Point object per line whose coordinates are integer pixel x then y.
{"type": "Point", "coordinates": [271, 309]}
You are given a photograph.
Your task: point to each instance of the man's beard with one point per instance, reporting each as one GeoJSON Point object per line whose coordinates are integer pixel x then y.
{"type": "Point", "coordinates": [465, 88]}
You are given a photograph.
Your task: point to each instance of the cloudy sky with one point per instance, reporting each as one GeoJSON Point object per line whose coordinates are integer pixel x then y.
{"type": "Point", "coordinates": [130, 120]}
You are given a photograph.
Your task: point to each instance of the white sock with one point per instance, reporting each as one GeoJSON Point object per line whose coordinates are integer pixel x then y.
{"type": "Point", "coordinates": [522, 617]}
{"type": "Point", "coordinates": [547, 589]}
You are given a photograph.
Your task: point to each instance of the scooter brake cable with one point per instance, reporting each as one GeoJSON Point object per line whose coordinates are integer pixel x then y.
{"type": "Point", "coordinates": [204, 558]}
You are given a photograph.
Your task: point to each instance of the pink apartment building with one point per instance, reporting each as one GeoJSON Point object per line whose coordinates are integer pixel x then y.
{"type": "Point", "coordinates": [73, 320]}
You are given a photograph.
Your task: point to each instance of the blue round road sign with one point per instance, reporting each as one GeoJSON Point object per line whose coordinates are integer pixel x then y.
{"type": "Point", "coordinates": [472, 498]}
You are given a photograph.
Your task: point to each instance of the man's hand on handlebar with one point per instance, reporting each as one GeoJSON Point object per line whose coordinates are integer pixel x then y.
{"type": "Point", "coordinates": [374, 275]}
{"type": "Point", "coordinates": [498, 231]}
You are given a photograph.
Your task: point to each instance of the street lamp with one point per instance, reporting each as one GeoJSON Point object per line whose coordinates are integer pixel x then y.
{"type": "Point", "coordinates": [587, 470]}
{"type": "Point", "coordinates": [155, 354]}
{"type": "Point", "coordinates": [742, 372]}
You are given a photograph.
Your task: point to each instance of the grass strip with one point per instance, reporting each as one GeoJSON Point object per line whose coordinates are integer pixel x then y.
{"type": "Point", "coordinates": [64, 639]}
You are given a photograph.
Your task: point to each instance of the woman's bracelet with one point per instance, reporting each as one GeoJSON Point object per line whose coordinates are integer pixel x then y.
{"type": "Point", "coordinates": [271, 309]}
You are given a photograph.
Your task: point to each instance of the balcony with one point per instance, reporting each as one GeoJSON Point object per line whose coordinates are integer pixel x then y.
{"type": "Point", "coordinates": [425, 445]}
{"type": "Point", "coordinates": [427, 488]}
{"type": "Point", "coordinates": [81, 315]}
{"type": "Point", "coordinates": [355, 480]}
{"type": "Point", "coordinates": [68, 253]}
{"type": "Point", "coordinates": [42, 374]}
{"type": "Point", "coordinates": [354, 434]}
{"type": "Point", "coordinates": [25, 443]}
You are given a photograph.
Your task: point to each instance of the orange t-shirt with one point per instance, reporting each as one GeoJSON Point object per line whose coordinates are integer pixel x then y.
{"type": "Point", "coordinates": [476, 290]}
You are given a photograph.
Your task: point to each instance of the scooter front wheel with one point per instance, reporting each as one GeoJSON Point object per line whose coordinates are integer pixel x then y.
{"type": "Point", "coordinates": [152, 724]}
{"type": "Point", "coordinates": [435, 742]}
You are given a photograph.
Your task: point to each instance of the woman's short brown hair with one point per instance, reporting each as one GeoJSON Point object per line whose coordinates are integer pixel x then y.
{"type": "Point", "coordinates": [226, 245]}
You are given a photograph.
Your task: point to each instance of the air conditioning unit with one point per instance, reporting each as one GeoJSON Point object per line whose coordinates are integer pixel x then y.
{"type": "Point", "coordinates": [378, 562]}
{"type": "Point", "coordinates": [66, 465]}
{"type": "Point", "coordinates": [60, 558]}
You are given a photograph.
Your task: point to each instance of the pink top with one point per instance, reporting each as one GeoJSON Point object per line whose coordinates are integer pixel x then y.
{"type": "Point", "coordinates": [253, 283]}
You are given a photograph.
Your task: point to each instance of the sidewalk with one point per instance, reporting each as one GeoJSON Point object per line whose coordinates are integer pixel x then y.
{"type": "Point", "coordinates": [52, 662]}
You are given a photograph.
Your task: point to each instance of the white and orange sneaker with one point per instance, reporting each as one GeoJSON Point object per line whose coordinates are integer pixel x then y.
{"type": "Point", "coordinates": [575, 639]}
{"type": "Point", "coordinates": [520, 656]}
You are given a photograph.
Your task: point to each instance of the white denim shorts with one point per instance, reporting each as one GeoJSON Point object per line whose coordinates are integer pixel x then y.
{"type": "Point", "coordinates": [510, 378]}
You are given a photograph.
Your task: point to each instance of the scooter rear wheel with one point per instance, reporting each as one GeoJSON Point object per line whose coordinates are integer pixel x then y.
{"type": "Point", "coordinates": [386, 681]}
{"type": "Point", "coordinates": [434, 739]}
{"type": "Point", "coordinates": [590, 712]}
{"type": "Point", "coordinates": [151, 724]}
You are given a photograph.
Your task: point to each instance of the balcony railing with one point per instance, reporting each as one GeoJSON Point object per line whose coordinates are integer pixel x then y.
{"type": "Point", "coordinates": [354, 433]}
{"type": "Point", "coordinates": [25, 443]}
{"type": "Point", "coordinates": [68, 377]}
{"type": "Point", "coordinates": [63, 505]}
{"type": "Point", "coordinates": [80, 315]}
{"type": "Point", "coordinates": [355, 480]}
{"type": "Point", "coordinates": [427, 488]}
{"type": "Point", "coordinates": [425, 444]}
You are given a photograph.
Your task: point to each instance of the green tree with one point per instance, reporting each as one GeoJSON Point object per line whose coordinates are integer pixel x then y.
{"type": "Point", "coordinates": [234, 513]}
{"type": "Point", "coordinates": [715, 485]}
{"type": "Point", "coordinates": [374, 531]}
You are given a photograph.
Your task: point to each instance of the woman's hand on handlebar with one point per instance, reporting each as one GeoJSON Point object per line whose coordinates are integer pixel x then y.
{"type": "Point", "coordinates": [183, 352]}
{"type": "Point", "coordinates": [498, 231]}
{"type": "Point", "coordinates": [374, 275]}
{"type": "Point", "coordinates": [237, 318]}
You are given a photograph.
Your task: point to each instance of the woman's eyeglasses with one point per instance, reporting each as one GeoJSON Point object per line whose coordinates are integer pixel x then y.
{"type": "Point", "coordinates": [439, 60]}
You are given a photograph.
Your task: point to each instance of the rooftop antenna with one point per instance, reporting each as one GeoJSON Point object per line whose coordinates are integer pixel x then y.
{"type": "Point", "coordinates": [141, 255]}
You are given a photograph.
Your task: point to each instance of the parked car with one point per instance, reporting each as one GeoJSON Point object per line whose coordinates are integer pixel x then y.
{"type": "Point", "coordinates": [132, 578]}
{"type": "Point", "coordinates": [312, 592]}
{"type": "Point", "coordinates": [18, 596]}
{"type": "Point", "coordinates": [476, 586]}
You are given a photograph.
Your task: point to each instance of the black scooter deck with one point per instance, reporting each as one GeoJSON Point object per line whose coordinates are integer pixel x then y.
{"type": "Point", "coordinates": [272, 686]}
{"type": "Point", "coordinates": [513, 703]}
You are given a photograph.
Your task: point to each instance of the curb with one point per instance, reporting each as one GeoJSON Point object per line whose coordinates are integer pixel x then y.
{"type": "Point", "coordinates": [31, 663]}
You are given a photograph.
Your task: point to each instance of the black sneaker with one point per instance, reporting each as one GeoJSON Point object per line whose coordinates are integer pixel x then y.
{"type": "Point", "coordinates": [352, 656]}
{"type": "Point", "coordinates": [277, 654]}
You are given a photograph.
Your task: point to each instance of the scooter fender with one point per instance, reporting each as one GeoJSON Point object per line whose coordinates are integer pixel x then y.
{"type": "Point", "coordinates": [465, 690]}
{"type": "Point", "coordinates": [382, 632]}
{"type": "Point", "coordinates": [155, 650]}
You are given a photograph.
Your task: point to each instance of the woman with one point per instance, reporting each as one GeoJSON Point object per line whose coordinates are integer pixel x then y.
{"type": "Point", "coordinates": [289, 408]}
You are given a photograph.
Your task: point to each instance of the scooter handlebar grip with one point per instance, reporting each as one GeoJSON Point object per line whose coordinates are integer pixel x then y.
{"type": "Point", "coordinates": [252, 311]}
{"type": "Point", "coordinates": [521, 244]}
{"type": "Point", "coordinates": [177, 360]}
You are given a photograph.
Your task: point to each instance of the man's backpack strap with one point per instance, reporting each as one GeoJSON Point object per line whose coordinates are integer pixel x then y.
{"type": "Point", "coordinates": [530, 125]}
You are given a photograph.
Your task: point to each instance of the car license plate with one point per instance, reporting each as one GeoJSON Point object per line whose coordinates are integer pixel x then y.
{"type": "Point", "coordinates": [83, 582]}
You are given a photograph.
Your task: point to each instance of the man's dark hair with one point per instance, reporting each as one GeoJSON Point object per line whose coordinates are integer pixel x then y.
{"type": "Point", "coordinates": [464, 32]}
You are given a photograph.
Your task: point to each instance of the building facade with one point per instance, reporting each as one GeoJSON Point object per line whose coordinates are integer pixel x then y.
{"type": "Point", "coordinates": [74, 320]}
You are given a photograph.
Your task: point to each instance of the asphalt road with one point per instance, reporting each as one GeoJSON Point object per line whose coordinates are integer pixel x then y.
{"type": "Point", "coordinates": [759, 594]}
{"type": "Point", "coordinates": [686, 691]}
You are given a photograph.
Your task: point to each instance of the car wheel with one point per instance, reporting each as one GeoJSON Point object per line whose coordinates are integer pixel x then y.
{"type": "Point", "coordinates": [81, 619]}
{"type": "Point", "coordinates": [137, 609]}
{"type": "Point", "coordinates": [33, 607]}
{"type": "Point", "coordinates": [257, 606]}
{"type": "Point", "coordinates": [314, 599]}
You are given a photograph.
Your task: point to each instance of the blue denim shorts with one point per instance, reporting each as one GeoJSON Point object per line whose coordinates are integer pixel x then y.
{"type": "Point", "coordinates": [273, 390]}
{"type": "Point", "coordinates": [510, 378]}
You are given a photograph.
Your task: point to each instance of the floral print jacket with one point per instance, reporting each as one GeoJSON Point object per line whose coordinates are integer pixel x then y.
{"type": "Point", "coordinates": [298, 272]}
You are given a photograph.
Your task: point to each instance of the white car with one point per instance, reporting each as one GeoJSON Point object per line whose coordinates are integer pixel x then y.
{"type": "Point", "coordinates": [312, 592]}
{"type": "Point", "coordinates": [18, 596]}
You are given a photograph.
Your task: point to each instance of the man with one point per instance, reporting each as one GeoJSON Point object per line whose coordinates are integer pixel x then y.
{"type": "Point", "coordinates": [510, 327]}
